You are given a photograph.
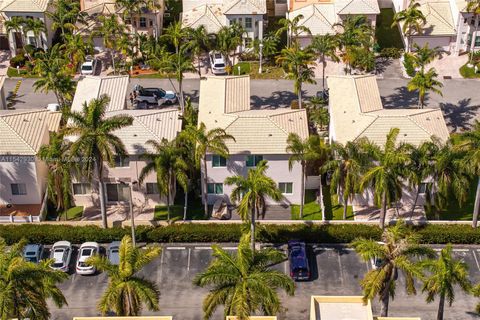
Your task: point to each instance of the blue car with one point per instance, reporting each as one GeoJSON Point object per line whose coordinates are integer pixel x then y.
{"type": "Point", "coordinates": [297, 256]}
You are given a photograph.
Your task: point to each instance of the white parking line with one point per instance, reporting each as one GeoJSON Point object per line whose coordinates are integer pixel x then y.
{"type": "Point", "coordinates": [188, 260]}
{"type": "Point", "coordinates": [175, 248]}
{"type": "Point", "coordinates": [203, 248]}
{"type": "Point", "coordinates": [461, 250]}
{"type": "Point", "coordinates": [476, 259]}
{"type": "Point", "coordinates": [230, 248]}
{"type": "Point", "coordinates": [161, 268]}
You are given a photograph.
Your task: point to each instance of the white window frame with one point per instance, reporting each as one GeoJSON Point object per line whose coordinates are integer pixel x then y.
{"type": "Point", "coordinates": [285, 184]}
{"type": "Point", "coordinates": [21, 189]}
{"type": "Point", "coordinates": [214, 188]}
{"type": "Point", "coordinates": [85, 187]}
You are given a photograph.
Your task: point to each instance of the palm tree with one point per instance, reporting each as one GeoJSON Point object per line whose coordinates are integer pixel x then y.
{"type": "Point", "coordinates": [198, 43]}
{"type": "Point", "coordinates": [425, 82]}
{"type": "Point", "coordinates": [76, 48]}
{"type": "Point", "coordinates": [178, 64]}
{"type": "Point", "coordinates": [319, 152]}
{"type": "Point", "coordinates": [228, 39]}
{"type": "Point", "coordinates": [16, 24]}
{"type": "Point", "coordinates": [470, 142]}
{"type": "Point", "coordinates": [167, 163]}
{"type": "Point", "coordinates": [110, 28]}
{"type": "Point", "coordinates": [131, 8]}
{"type": "Point", "coordinates": [412, 19]}
{"type": "Point", "coordinates": [473, 6]}
{"type": "Point", "coordinates": [293, 28]}
{"type": "Point", "coordinates": [396, 252]}
{"type": "Point", "coordinates": [269, 46]}
{"type": "Point", "coordinates": [297, 64]}
{"type": "Point", "coordinates": [251, 192]}
{"type": "Point", "coordinates": [36, 26]}
{"type": "Point", "coordinates": [65, 15]}
{"type": "Point", "coordinates": [126, 291]}
{"type": "Point", "coordinates": [26, 286]}
{"type": "Point", "coordinates": [385, 177]}
{"type": "Point", "coordinates": [96, 141]}
{"type": "Point", "coordinates": [445, 272]}
{"type": "Point", "coordinates": [346, 167]}
{"type": "Point", "coordinates": [325, 47]}
{"type": "Point", "coordinates": [59, 182]}
{"type": "Point", "coordinates": [318, 114]}
{"type": "Point", "coordinates": [244, 282]}
{"type": "Point", "coordinates": [207, 141]}
{"type": "Point", "coordinates": [176, 34]}
{"type": "Point", "coordinates": [424, 55]}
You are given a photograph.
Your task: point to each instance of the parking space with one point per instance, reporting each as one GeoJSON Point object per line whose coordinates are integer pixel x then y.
{"type": "Point", "coordinates": [336, 270]}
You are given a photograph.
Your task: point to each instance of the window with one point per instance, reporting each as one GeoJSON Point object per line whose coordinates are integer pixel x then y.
{"type": "Point", "coordinates": [117, 192]}
{"type": "Point", "coordinates": [253, 160]}
{"type": "Point", "coordinates": [122, 162]}
{"type": "Point", "coordinates": [286, 187]}
{"type": "Point", "coordinates": [150, 23]}
{"type": "Point", "coordinates": [248, 42]}
{"type": "Point", "coordinates": [128, 21]}
{"type": "Point", "coordinates": [215, 188]}
{"type": "Point", "coordinates": [143, 22]}
{"type": "Point", "coordinates": [281, 1]}
{"type": "Point", "coordinates": [248, 23]}
{"type": "Point", "coordinates": [477, 41]}
{"type": "Point", "coordinates": [233, 21]}
{"type": "Point", "coordinates": [32, 41]}
{"type": "Point", "coordinates": [218, 161]}
{"type": "Point", "coordinates": [81, 188]}
{"type": "Point", "coordinates": [19, 189]}
{"type": "Point", "coordinates": [422, 188]}
{"type": "Point", "coordinates": [152, 188]}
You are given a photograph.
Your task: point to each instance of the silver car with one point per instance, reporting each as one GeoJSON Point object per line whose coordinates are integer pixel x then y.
{"type": "Point", "coordinates": [87, 250]}
{"type": "Point", "coordinates": [61, 253]}
{"type": "Point", "coordinates": [113, 252]}
{"type": "Point", "coordinates": [33, 252]}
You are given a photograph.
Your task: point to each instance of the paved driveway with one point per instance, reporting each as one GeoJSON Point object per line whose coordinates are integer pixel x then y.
{"type": "Point", "coordinates": [336, 271]}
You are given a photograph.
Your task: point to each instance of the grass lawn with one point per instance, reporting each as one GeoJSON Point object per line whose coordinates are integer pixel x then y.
{"type": "Point", "coordinates": [312, 211]}
{"type": "Point", "coordinates": [194, 209]}
{"type": "Point", "coordinates": [268, 72]}
{"type": "Point", "coordinates": [387, 37]}
{"type": "Point", "coordinates": [74, 213]}
{"type": "Point", "coordinates": [469, 73]}
{"type": "Point", "coordinates": [453, 211]}
{"type": "Point", "coordinates": [12, 72]}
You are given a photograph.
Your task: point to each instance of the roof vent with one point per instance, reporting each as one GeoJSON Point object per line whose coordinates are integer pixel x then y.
{"type": "Point", "coordinates": [134, 134]}
{"type": "Point", "coordinates": [269, 134]}
{"type": "Point", "coordinates": [404, 134]}
{"type": "Point", "coordinates": [25, 120]}
{"type": "Point", "coordinates": [428, 118]}
{"type": "Point", "coordinates": [158, 119]}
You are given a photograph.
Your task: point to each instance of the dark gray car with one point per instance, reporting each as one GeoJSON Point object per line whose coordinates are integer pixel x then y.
{"type": "Point", "coordinates": [112, 252]}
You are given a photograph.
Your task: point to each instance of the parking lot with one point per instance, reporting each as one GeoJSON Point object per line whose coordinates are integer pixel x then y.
{"type": "Point", "coordinates": [336, 270]}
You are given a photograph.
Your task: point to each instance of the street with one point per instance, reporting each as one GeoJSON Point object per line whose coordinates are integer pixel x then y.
{"type": "Point", "coordinates": [336, 270]}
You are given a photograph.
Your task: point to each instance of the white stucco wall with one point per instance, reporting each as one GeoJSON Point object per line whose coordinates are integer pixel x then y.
{"type": "Point", "coordinates": [444, 42]}
{"type": "Point", "coordinates": [278, 171]}
{"type": "Point", "coordinates": [19, 169]}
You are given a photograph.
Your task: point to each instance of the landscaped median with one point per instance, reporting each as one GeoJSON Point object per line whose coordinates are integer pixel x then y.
{"type": "Point", "coordinates": [219, 232]}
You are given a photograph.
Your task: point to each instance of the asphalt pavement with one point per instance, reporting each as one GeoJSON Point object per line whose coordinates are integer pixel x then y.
{"type": "Point", "coordinates": [337, 270]}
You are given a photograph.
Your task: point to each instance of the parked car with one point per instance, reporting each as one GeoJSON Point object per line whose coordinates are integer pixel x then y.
{"type": "Point", "coordinates": [297, 257]}
{"type": "Point", "coordinates": [61, 253]}
{"type": "Point", "coordinates": [217, 63]}
{"type": "Point", "coordinates": [87, 250]}
{"type": "Point", "coordinates": [323, 94]}
{"type": "Point", "coordinates": [154, 95]}
{"type": "Point", "coordinates": [33, 252]}
{"type": "Point", "coordinates": [112, 252]}
{"type": "Point", "coordinates": [53, 107]}
{"type": "Point", "coordinates": [89, 66]}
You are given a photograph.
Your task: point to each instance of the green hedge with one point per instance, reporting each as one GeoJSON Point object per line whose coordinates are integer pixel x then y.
{"type": "Point", "coordinates": [337, 233]}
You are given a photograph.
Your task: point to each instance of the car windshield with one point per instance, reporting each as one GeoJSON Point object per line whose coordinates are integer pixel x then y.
{"type": "Point", "coordinates": [87, 252]}
{"type": "Point", "coordinates": [57, 264]}
{"type": "Point", "coordinates": [30, 253]}
{"type": "Point", "coordinates": [114, 250]}
{"type": "Point", "coordinates": [83, 264]}
{"type": "Point", "coordinates": [219, 65]}
{"type": "Point", "coordinates": [86, 68]}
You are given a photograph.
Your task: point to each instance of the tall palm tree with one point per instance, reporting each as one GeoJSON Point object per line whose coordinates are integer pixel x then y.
{"type": "Point", "coordinates": [293, 28]}
{"type": "Point", "coordinates": [207, 141]}
{"type": "Point", "coordinates": [132, 8]}
{"type": "Point", "coordinates": [424, 82]}
{"type": "Point", "coordinates": [26, 286]}
{"type": "Point", "coordinates": [228, 38]}
{"type": "Point", "coordinates": [319, 153]}
{"type": "Point", "coordinates": [126, 291]}
{"type": "Point", "coordinates": [251, 192]}
{"type": "Point", "coordinates": [37, 27]}
{"type": "Point", "coordinates": [347, 166]}
{"type": "Point", "coordinates": [59, 182]}
{"type": "Point", "coordinates": [412, 20]}
{"type": "Point", "coordinates": [424, 55]}
{"type": "Point", "coordinates": [325, 46]}
{"type": "Point", "coordinates": [386, 176]}
{"type": "Point", "coordinates": [444, 273]}
{"type": "Point", "coordinates": [167, 163]}
{"type": "Point", "coordinates": [244, 282]}
{"type": "Point", "coordinates": [176, 34]}
{"type": "Point", "coordinates": [318, 114]}
{"type": "Point", "coordinates": [269, 46]}
{"type": "Point", "coordinates": [396, 252]}
{"type": "Point", "coordinates": [297, 63]}
{"type": "Point", "coordinates": [109, 30]}
{"type": "Point", "coordinates": [178, 64]}
{"type": "Point", "coordinates": [16, 24]}
{"type": "Point", "coordinates": [65, 14]}
{"type": "Point", "coordinates": [473, 6]}
{"type": "Point", "coordinates": [198, 43]}
{"type": "Point", "coordinates": [96, 141]}
{"type": "Point", "coordinates": [76, 48]}
{"type": "Point", "coordinates": [470, 142]}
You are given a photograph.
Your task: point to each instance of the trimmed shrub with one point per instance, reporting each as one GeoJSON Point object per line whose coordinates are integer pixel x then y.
{"type": "Point", "coordinates": [451, 233]}
{"type": "Point", "coordinates": [392, 53]}
{"type": "Point", "coordinates": [18, 61]}
{"type": "Point", "coordinates": [408, 64]}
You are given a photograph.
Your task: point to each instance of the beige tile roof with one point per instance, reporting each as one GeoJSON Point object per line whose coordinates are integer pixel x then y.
{"type": "Point", "coordinates": [357, 7]}
{"type": "Point", "coordinates": [148, 125]}
{"type": "Point", "coordinates": [439, 17]}
{"type": "Point", "coordinates": [224, 103]}
{"type": "Point", "coordinates": [23, 133]}
{"type": "Point", "coordinates": [26, 6]}
{"type": "Point", "coordinates": [92, 87]}
{"type": "Point", "coordinates": [245, 7]}
{"type": "Point", "coordinates": [461, 5]}
{"type": "Point", "coordinates": [210, 15]}
{"type": "Point", "coordinates": [355, 113]}
{"type": "Point", "coordinates": [319, 18]}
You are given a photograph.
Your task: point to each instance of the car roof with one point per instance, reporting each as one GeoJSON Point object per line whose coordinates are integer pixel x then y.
{"type": "Point", "coordinates": [89, 244]}
{"type": "Point", "coordinates": [62, 243]}
{"type": "Point", "coordinates": [32, 247]}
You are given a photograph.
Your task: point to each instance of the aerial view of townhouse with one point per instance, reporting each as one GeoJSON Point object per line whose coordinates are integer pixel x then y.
{"type": "Point", "coordinates": [239, 159]}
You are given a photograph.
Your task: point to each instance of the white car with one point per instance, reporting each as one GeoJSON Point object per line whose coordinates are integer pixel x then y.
{"type": "Point", "coordinates": [61, 253]}
{"type": "Point", "coordinates": [87, 250]}
{"type": "Point", "coordinates": [89, 66]}
{"type": "Point", "coordinates": [217, 63]}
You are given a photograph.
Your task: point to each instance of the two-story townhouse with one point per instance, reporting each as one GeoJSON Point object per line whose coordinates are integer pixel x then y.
{"type": "Point", "coordinates": [30, 9]}
{"type": "Point", "coordinates": [320, 16]}
{"type": "Point", "coordinates": [147, 125]}
{"type": "Point", "coordinates": [259, 135]}
{"type": "Point", "coordinates": [356, 111]}
{"type": "Point", "coordinates": [23, 176]}
{"type": "Point", "coordinates": [215, 14]}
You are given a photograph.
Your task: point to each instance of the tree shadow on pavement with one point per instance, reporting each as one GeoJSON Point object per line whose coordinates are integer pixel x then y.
{"type": "Point", "coordinates": [275, 100]}
{"type": "Point", "coordinates": [402, 98]}
{"type": "Point", "coordinates": [458, 115]}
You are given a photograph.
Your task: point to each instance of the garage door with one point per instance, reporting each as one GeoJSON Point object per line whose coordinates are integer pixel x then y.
{"type": "Point", "coordinates": [442, 42]}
